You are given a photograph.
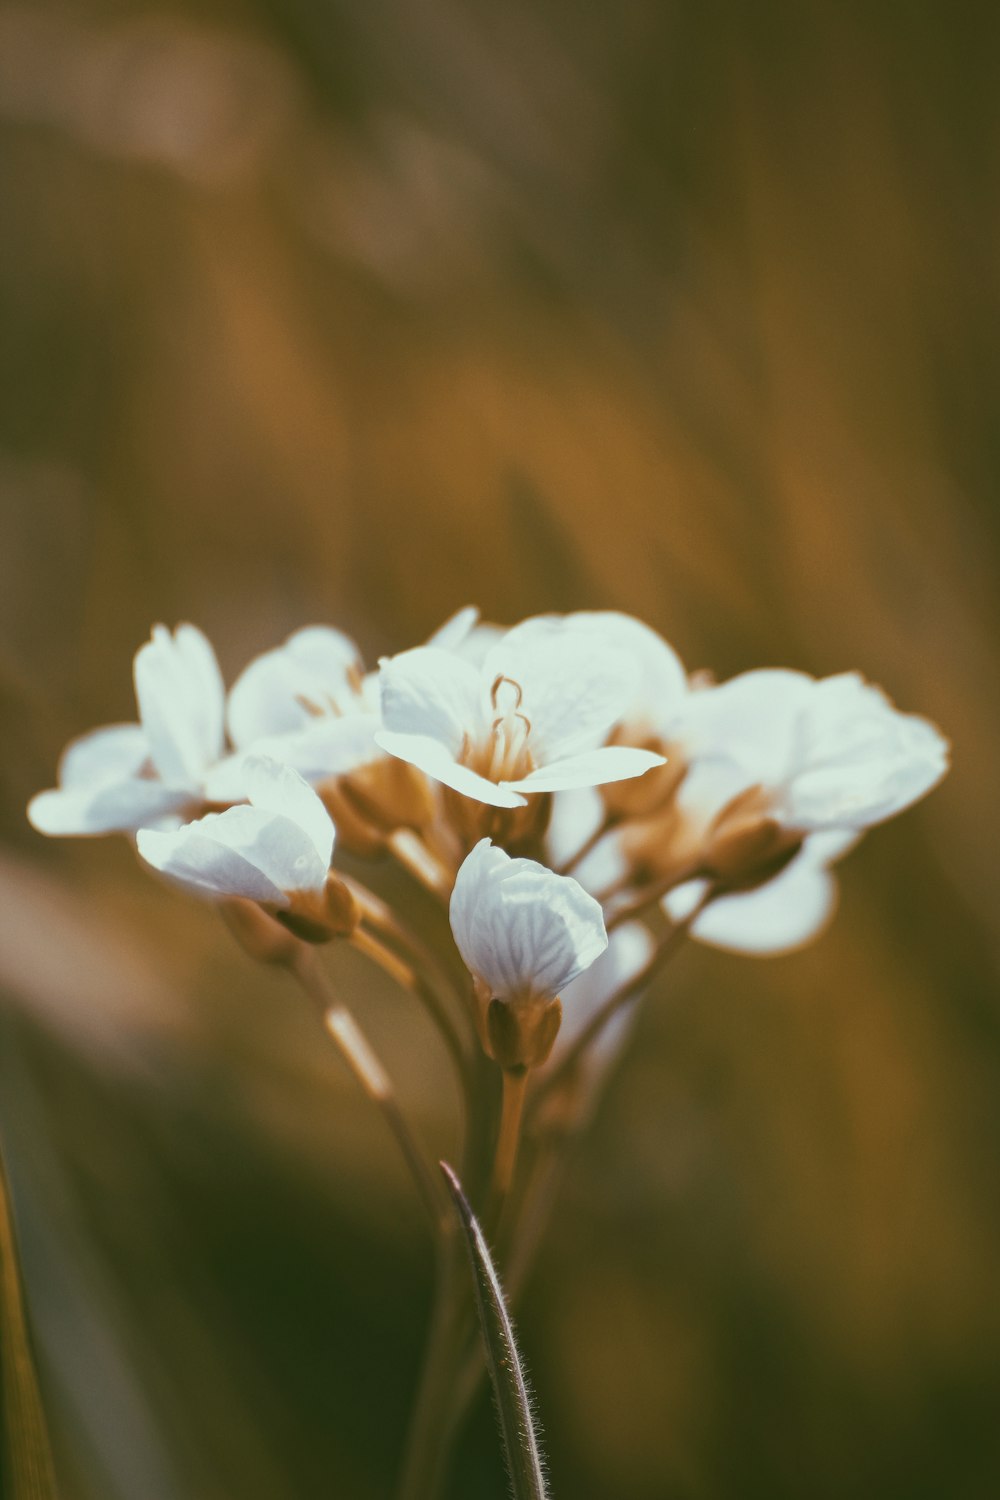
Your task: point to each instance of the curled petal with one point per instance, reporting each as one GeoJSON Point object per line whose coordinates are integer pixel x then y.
{"type": "Point", "coordinates": [521, 929]}
{"type": "Point", "coordinates": [280, 844]}
{"type": "Point", "coordinates": [220, 855]}
{"type": "Point", "coordinates": [275, 788]}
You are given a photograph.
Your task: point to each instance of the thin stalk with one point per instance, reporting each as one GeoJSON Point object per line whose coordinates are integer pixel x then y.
{"type": "Point", "coordinates": [604, 827]}
{"type": "Point", "coordinates": [415, 857]}
{"type": "Point", "coordinates": [514, 1090]}
{"type": "Point", "coordinates": [441, 1403]}
{"type": "Point", "coordinates": [411, 979]}
{"type": "Point", "coordinates": [377, 913]}
{"type": "Point", "coordinates": [357, 1052]}
{"type": "Point", "coordinates": [646, 896]}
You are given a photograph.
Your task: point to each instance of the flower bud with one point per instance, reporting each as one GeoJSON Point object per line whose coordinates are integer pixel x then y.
{"type": "Point", "coordinates": [521, 1035]}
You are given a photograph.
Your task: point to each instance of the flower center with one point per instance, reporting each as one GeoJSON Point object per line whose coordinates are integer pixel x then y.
{"type": "Point", "coordinates": [505, 755]}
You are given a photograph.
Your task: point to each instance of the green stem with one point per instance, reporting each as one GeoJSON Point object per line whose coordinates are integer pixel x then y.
{"type": "Point", "coordinates": [440, 1406]}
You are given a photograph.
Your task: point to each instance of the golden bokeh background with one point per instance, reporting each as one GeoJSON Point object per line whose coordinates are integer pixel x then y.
{"type": "Point", "coordinates": [317, 311]}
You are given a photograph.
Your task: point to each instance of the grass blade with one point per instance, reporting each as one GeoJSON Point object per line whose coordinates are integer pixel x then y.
{"type": "Point", "coordinates": [513, 1397]}
{"type": "Point", "coordinates": [26, 1459]}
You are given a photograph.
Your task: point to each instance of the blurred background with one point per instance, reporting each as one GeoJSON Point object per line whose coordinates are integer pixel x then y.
{"type": "Point", "coordinates": [333, 312]}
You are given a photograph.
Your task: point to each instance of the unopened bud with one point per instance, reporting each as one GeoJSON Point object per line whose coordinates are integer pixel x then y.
{"type": "Point", "coordinates": [742, 846]}
{"type": "Point", "coordinates": [521, 1035]}
{"type": "Point", "coordinates": [746, 838]}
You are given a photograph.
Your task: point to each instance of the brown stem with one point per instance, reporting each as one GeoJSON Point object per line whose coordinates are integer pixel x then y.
{"type": "Point", "coordinates": [413, 854]}
{"type": "Point", "coordinates": [357, 1052]}
{"type": "Point", "coordinates": [648, 895]}
{"type": "Point", "coordinates": [411, 979]}
{"type": "Point", "coordinates": [514, 1088]}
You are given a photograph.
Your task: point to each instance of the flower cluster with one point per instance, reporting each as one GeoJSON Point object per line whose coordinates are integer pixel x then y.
{"type": "Point", "coordinates": [554, 782]}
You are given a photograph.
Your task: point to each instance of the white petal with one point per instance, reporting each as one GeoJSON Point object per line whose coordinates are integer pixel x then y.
{"type": "Point", "coordinates": [576, 815]}
{"type": "Point", "coordinates": [785, 914]}
{"type": "Point", "coordinates": [662, 685]}
{"type": "Point", "coordinates": [433, 758]}
{"type": "Point", "coordinates": [630, 947]}
{"type": "Point", "coordinates": [751, 721]}
{"type": "Point", "coordinates": [113, 807]}
{"type": "Point", "coordinates": [108, 754]}
{"type": "Point", "coordinates": [269, 697]}
{"type": "Point", "coordinates": [574, 687]}
{"type": "Point", "coordinates": [520, 928]}
{"type": "Point", "coordinates": [181, 701]}
{"type": "Point", "coordinates": [275, 788]}
{"type": "Point", "coordinates": [331, 654]}
{"type": "Point", "coordinates": [710, 784]}
{"type": "Point", "coordinates": [452, 635]}
{"type": "Point", "coordinates": [860, 760]}
{"type": "Point", "coordinates": [325, 747]}
{"type": "Point", "coordinates": [280, 691]}
{"type": "Point", "coordinates": [590, 768]}
{"type": "Point", "coordinates": [280, 844]}
{"type": "Point", "coordinates": [196, 858]}
{"type": "Point", "coordinates": [432, 693]}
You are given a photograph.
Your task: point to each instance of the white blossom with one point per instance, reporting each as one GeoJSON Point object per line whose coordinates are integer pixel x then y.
{"type": "Point", "coordinates": [122, 776]}
{"type": "Point", "coordinates": [522, 931]}
{"type": "Point", "coordinates": [833, 753]}
{"type": "Point", "coordinates": [532, 718]}
{"type": "Point", "coordinates": [272, 851]}
{"type": "Point", "coordinates": [310, 704]}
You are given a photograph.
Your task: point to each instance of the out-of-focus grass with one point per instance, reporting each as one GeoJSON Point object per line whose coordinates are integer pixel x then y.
{"type": "Point", "coordinates": [340, 313]}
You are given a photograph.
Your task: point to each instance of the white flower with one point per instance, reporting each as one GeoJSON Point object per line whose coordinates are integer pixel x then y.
{"type": "Point", "coordinates": [310, 704]}
{"type": "Point", "coordinates": [275, 851]}
{"type": "Point", "coordinates": [833, 753]}
{"type": "Point", "coordinates": [306, 703]}
{"type": "Point", "coordinates": [124, 775]}
{"type": "Point", "coordinates": [532, 718]}
{"type": "Point", "coordinates": [522, 931]}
